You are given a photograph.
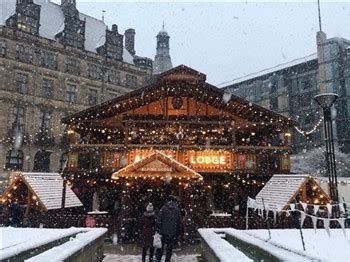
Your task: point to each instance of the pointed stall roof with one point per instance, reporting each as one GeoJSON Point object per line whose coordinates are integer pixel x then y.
{"type": "Point", "coordinates": [47, 187]}
{"type": "Point", "coordinates": [159, 165]}
{"type": "Point", "coordinates": [282, 189]}
{"type": "Point", "coordinates": [191, 83]}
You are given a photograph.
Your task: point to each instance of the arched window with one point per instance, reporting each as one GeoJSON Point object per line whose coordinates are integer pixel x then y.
{"type": "Point", "coordinates": [63, 160]}
{"type": "Point", "coordinates": [14, 160]}
{"type": "Point", "coordinates": [42, 161]}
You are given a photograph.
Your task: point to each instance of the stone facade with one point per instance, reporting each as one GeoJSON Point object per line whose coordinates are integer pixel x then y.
{"type": "Point", "coordinates": [45, 78]}
{"type": "Point", "coordinates": [289, 90]}
{"type": "Point", "coordinates": [162, 60]}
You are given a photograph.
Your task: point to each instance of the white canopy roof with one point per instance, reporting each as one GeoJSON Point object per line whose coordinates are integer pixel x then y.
{"type": "Point", "coordinates": [48, 188]}
{"type": "Point", "coordinates": [280, 190]}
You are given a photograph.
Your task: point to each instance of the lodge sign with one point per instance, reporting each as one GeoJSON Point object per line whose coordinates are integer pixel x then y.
{"type": "Point", "coordinates": [214, 160]}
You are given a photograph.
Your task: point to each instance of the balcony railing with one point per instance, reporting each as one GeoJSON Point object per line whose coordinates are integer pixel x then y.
{"type": "Point", "coordinates": [118, 147]}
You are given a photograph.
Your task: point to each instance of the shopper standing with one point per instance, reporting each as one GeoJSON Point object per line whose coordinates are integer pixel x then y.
{"type": "Point", "coordinates": [147, 228]}
{"type": "Point", "coordinates": [169, 227]}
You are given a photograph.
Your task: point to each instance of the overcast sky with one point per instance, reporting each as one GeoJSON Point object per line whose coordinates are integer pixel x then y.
{"type": "Point", "coordinates": [229, 39]}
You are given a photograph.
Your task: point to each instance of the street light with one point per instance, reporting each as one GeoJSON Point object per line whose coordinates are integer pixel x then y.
{"type": "Point", "coordinates": [326, 101]}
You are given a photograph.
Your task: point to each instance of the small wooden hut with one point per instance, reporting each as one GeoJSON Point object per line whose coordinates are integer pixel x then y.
{"type": "Point", "coordinates": [285, 189]}
{"type": "Point", "coordinates": [42, 191]}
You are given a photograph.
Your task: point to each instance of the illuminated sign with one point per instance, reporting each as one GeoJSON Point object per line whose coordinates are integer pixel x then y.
{"type": "Point", "coordinates": [209, 160]}
{"type": "Point", "coordinates": [216, 160]}
{"type": "Point", "coordinates": [137, 155]}
{"type": "Point", "coordinates": [201, 161]}
{"type": "Point", "coordinates": [155, 166]}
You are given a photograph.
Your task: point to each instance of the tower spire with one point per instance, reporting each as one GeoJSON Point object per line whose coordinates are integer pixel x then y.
{"type": "Point", "coordinates": [319, 15]}
{"type": "Point", "coordinates": [162, 60]}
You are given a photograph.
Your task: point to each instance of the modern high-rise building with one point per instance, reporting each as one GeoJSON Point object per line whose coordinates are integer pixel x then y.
{"type": "Point", "coordinates": [162, 60]}
{"type": "Point", "coordinates": [55, 61]}
{"type": "Point", "coordinates": [289, 89]}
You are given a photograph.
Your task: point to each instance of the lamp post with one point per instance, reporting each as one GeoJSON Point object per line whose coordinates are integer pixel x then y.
{"type": "Point", "coordinates": [326, 101]}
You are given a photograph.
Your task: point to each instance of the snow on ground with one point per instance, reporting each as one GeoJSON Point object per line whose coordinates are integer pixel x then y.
{"type": "Point", "coordinates": [319, 244]}
{"type": "Point", "coordinates": [133, 258]}
{"type": "Point", "coordinates": [276, 251]}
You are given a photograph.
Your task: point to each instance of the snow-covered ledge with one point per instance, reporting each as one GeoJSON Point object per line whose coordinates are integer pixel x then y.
{"type": "Point", "coordinates": [264, 249]}
{"type": "Point", "coordinates": [214, 248]}
{"type": "Point", "coordinates": [43, 244]}
{"type": "Point", "coordinates": [85, 246]}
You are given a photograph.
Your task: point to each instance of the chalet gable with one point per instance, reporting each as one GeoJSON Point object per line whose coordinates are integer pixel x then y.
{"type": "Point", "coordinates": [43, 188]}
{"type": "Point", "coordinates": [157, 164]}
{"type": "Point", "coordinates": [281, 190]}
{"type": "Point", "coordinates": [183, 84]}
{"type": "Point", "coordinates": [183, 73]}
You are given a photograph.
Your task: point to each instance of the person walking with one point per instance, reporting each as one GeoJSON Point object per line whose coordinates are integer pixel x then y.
{"type": "Point", "coordinates": [169, 227]}
{"type": "Point", "coordinates": [147, 228]}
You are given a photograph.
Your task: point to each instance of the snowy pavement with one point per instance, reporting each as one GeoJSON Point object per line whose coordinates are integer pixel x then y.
{"type": "Point", "coordinates": [135, 258]}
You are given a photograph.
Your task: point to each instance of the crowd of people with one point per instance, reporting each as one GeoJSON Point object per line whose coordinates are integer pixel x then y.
{"type": "Point", "coordinates": [12, 214]}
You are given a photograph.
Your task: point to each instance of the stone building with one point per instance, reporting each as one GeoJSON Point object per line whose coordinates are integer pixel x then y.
{"type": "Point", "coordinates": [289, 89]}
{"type": "Point", "coordinates": [162, 60]}
{"type": "Point", "coordinates": [55, 61]}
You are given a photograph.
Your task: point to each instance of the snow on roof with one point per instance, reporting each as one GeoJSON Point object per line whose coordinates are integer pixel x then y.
{"type": "Point", "coordinates": [95, 32]}
{"type": "Point", "coordinates": [48, 188]}
{"type": "Point", "coordinates": [271, 70]}
{"type": "Point", "coordinates": [52, 23]}
{"type": "Point", "coordinates": [279, 190]}
{"type": "Point", "coordinates": [51, 19]}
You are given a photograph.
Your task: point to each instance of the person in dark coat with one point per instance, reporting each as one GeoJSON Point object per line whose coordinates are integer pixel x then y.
{"type": "Point", "coordinates": [169, 227]}
{"type": "Point", "coordinates": [16, 215]}
{"type": "Point", "coordinates": [147, 228]}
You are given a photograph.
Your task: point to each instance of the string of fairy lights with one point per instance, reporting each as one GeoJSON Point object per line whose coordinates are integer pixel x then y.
{"type": "Point", "coordinates": [54, 131]}
{"type": "Point", "coordinates": [312, 130]}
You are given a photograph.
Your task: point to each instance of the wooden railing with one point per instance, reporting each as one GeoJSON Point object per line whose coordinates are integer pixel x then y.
{"type": "Point", "coordinates": [118, 147]}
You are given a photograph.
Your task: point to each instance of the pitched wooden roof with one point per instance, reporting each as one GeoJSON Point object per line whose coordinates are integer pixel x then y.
{"type": "Point", "coordinates": [281, 190]}
{"type": "Point", "coordinates": [159, 165]}
{"type": "Point", "coordinates": [186, 81]}
{"type": "Point", "coordinates": [48, 189]}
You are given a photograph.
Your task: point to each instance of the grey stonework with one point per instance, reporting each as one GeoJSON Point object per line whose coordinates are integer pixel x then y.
{"type": "Point", "coordinates": [41, 60]}
{"type": "Point", "coordinates": [162, 60]}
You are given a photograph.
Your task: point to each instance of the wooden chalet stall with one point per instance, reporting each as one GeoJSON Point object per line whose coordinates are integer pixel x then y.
{"type": "Point", "coordinates": [288, 192]}
{"type": "Point", "coordinates": [285, 189]}
{"type": "Point", "coordinates": [232, 144]}
{"type": "Point", "coordinates": [39, 193]}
